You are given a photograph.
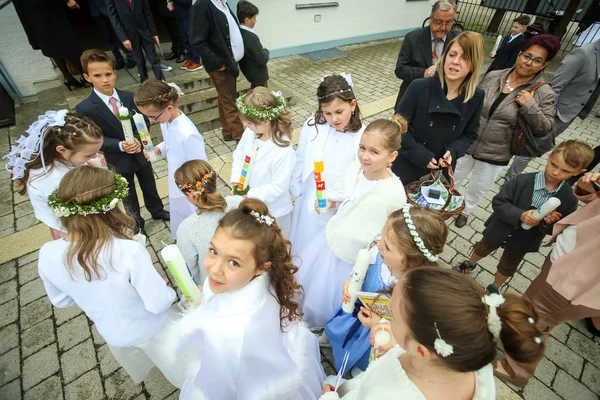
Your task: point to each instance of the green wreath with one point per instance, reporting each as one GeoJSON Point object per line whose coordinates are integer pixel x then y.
{"type": "Point", "coordinates": [259, 113]}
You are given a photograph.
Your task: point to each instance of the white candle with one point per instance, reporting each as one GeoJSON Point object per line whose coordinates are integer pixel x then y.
{"type": "Point", "coordinates": [176, 263]}
{"type": "Point", "coordinates": [382, 337]}
{"type": "Point", "coordinates": [542, 211]}
{"type": "Point", "coordinates": [357, 276]}
{"type": "Point", "coordinates": [126, 124]}
{"type": "Point", "coordinates": [96, 162]}
{"type": "Point", "coordinates": [497, 44]}
{"type": "Point", "coordinates": [142, 129]}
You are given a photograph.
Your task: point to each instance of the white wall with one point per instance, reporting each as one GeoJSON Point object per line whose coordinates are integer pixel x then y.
{"type": "Point", "coordinates": [281, 26]}
{"type": "Point", "coordinates": [24, 65]}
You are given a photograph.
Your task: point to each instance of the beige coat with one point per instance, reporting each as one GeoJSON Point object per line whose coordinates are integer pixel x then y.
{"type": "Point", "coordinates": [576, 275]}
{"type": "Point", "coordinates": [495, 132]}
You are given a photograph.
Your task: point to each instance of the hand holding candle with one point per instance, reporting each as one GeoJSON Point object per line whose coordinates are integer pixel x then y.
{"type": "Point", "coordinates": [542, 211]}
{"type": "Point", "coordinates": [319, 171]}
{"type": "Point", "coordinates": [357, 276]}
{"type": "Point", "coordinates": [176, 264]}
{"type": "Point", "coordinates": [125, 118]}
{"type": "Point", "coordinates": [382, 338]}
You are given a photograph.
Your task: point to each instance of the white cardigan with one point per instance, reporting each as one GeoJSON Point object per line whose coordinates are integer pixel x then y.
{"type": "Point", "coordinates": [357, 224]}
{"type": "Point", "coordinates": [270, 174]}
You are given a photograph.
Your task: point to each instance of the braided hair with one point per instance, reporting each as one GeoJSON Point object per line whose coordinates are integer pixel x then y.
{"type": "Point", "coordinates": [155, 93]}
{"type": "Point", "coordinates": [76, 131]}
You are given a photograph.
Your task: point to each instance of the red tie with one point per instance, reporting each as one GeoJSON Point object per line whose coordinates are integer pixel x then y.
{"type": "Point", "coordinates": [128, 3]}
{"type": "Point", "coordinates": [113, 103]}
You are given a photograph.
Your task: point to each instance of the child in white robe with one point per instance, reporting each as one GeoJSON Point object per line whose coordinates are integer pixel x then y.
{"type": "Point", "coordinates": [333, 132]}
{"type": "Point", "coordinates": [247, 336]}
{"type": "Point", "coordinates": [448, 340]}
{"type": "Point", "coordinates": [266, 143]}
{"type": "Point", "coordinates": [198, 182]}
{"type": "Point", "coordinates": [182, 141]}
{"type": "Point", "coordinates": [57, 141]}
{"type": "Point", "coordinates": [361, 201]}
{"type": "Point", "coordinates": [98, 267]}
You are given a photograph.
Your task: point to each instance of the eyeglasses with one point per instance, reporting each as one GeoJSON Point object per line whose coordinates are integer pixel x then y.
{"type": "Point", "coordinates": [438, 22]}
{"type": "Point", "coordinates": [536, 62]}
{"type": "Point", "coordinates": [159, 114]}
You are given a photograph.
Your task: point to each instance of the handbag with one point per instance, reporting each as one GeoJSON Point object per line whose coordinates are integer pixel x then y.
{"type": "Point", "coordinates": [524, 142]}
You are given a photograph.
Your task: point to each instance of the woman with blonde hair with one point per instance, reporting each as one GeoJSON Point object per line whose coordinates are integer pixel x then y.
{"type": "Point", "coordinates": [442, 111]}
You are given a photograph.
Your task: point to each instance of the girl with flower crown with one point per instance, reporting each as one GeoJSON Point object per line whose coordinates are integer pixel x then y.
{"type": "Point", "coordinates": [57, 141]}
{"type": "Point", "coordinates": [182, 141]}
{"type": "Point", "coordinates": [264, 158]}
{"type": "Point", "coordinates": [334, 131]}
{"type": "Point", "coordinates": [412, 237]}
{"type": "Point", "coordinates": [99, 268]}
{"type": "Point", "coordinates": [446, 332]}
{"type": "Point", "coordinates": [357, 209]}
{"type": "Point", "coordinates": [198, 182]}
{"type": "Point", "coordinates": [247, 335]}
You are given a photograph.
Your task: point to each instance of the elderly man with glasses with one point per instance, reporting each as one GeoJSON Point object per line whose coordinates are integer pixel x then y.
{"type": "Point", "coordinates": [423, 47]}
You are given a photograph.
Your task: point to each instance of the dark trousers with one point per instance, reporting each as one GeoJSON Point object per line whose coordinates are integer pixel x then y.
{"type": "Point", "coordinates": [228, 113]}
{"type": "Point", "coordinates": [103, 23]}
{"type": "Point", "coordinates": [61, 63]}
{"type": "Point", "coordinates": [148, 46]}
{"type": "Point", "coordinates": [177, 45]}
{"type": "Point", "coordinates": [509, 262]}
{"type": "Point", "coordinates": [151, 198]}
{"type": "Point", "coordinates": [253, 85]}
{"type": "Point", "coordinates": [590, 167]}
{"type": "Point", "coordinates": [183, 17]}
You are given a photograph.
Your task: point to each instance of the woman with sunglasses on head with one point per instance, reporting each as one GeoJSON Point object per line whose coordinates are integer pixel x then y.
{"type": "Point", "coordinates": [507, 97]}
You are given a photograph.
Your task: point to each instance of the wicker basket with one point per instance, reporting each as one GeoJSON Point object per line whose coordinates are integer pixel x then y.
{"type": "Point", "coordinates": [415, 187]}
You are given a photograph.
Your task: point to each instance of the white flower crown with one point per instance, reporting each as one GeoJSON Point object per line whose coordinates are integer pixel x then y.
{"type": "Point", "coordinates": [413, 231]}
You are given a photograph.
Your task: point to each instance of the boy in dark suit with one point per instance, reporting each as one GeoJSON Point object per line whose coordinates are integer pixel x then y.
{"type": "Point", "coordinates": [133, 23]}
{"type": "Point", "coordinates": [127, 158]}
{"type": "Point", "coordinates": [506, 55]}
{"type": "Point", "coordinates": [254, 63]}
{"type": "Point", "coordinates": [515, 203]}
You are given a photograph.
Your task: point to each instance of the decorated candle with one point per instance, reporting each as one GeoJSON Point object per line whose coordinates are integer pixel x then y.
{"type": "Point", "coordinates": [357, 276]}
{"type": "Point", "coordinates": [497, 44]}
{"type": "Point", "coordinates": [244, 181]}
{"type": "Point", "coordinates": [142, 129]}
{"type": "Point", "coordinates": [382, 337]}
{"type": "Point", "coordinates": [543, 211]}
{"type": "Point", "coordinates": [319, 171]}
{"type": "Point", "coordinates": [126, 123]}
{"type": "Point", "coordinates": [174, 260]}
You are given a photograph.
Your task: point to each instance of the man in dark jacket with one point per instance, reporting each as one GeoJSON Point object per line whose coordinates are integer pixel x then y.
{"type": "Point", "coordinates": [134, 25]}
{"type": "Point", "coordinates": [422, 48]}
{"type": "Point", "coordinates": [100, 14]}
{"type": "Point", "coordinates": [506, 55]}
{"type": "Point", "coordinates": [215, 35]}
{"type": "Point", "coordinates": [256, 57]}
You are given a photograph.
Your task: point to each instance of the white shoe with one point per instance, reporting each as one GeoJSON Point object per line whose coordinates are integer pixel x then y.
{"type": "Point", "coordinates": [323, 340]}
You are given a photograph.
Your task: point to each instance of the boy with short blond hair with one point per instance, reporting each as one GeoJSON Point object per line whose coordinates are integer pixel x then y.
{"type": "Point", "coordinates": [516, 202]}
{"type": "Point", "coordinates": [128, 159]}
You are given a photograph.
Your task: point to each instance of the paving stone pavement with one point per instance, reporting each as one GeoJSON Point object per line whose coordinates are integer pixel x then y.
{"type": "Point", "coordinates": [49, 353]}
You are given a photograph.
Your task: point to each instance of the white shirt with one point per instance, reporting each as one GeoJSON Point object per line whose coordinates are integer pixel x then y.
{"type": "Point", "coordinates": [40, 185]}
{"type": "Point", "coordinates": [129, 306]}
{"type": "Point", "coordinates": [565, 242]}
{"type": "Point", "coordinates": [512, 37]}
{"type": "Point", "coordinates": [247, 28]}
{"type": "Point", "coordinates": [235, 36]}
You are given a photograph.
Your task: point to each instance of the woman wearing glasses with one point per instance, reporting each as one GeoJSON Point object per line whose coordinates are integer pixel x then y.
{"type": "Point", "coordinates": [442, 110]}
{"type": "Point", "coordinates": [507, 97]}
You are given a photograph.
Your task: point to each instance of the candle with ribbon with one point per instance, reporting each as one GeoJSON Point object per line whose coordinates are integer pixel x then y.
{"type": "Point", "coordinates": [142, 129]}
{"type": "Point", "coordinates": [243, 185]}
{"type": "Point", "coordinates": [497, 44]}
{"type": "Point", "coordinates": [125, 118]}
{"type": "Point", "coordinates": [319, 172]}
{"type": "Point", "coordinates": [182, 274]}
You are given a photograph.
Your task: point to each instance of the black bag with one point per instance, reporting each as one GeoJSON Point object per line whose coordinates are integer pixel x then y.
{"type": "Point", "coordinates": [524, 142]}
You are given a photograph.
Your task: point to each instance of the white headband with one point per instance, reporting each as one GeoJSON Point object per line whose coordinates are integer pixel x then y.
{"type": "Point", "coordinates": [413, 231]}
{"type": "Point", "coordinates": [494, 322]}
{"type": "Point", "coordinates": [33, 145]}
{"type": "Point", "coordinates": [347, 77]}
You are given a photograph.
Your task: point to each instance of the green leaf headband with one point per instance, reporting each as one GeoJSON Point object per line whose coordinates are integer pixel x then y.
{"type": "Point", "coordinates": [99, 206]}
{"type": "Point", "coordinates": [261, 114]}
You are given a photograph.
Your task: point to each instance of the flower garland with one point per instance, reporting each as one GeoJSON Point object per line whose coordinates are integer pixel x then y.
{"type": "Point", "coordinates": [261, 114]}
{"type": "Point", "coordinates": [263, 219]}
{"type": "Point", "coordinates": [100, 206]}
{"type": "Point", "coordinates": [413, 231]}
{"type": "Point", "coordinates": [494, 322]}
{"type": "Point", "coordinates": [122, 118]}
{"type": "Point", "coordinates": [239, 192]}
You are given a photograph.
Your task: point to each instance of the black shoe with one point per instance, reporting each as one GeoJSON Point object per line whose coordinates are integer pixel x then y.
{"type": "Point", "coordinates": [591, 327]}
{"type": "Point", "coordinates": [164, 215]}
{"type": "Point", "coordinates": [173, 55]}
{"type": "Point", "coordinates": [465, 268]}
{"type": "Point", "coordinates": [228, 138]}
{"type": "Point", "coordinates": [461, 220]}
{"type": "Point", "coordinates": [130, 64]}
{"type": "Point", "coordinates": [182, 57]}
{"type": "Point", "coordinates": [492, 289]}
{"type": "Point", "coordinates": [119, 64]}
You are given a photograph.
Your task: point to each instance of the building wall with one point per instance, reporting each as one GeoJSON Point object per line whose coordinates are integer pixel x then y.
{"type": "Point", "coordinates": [285, 30]}
{"type": "Point", "coordinates": [24, 65]}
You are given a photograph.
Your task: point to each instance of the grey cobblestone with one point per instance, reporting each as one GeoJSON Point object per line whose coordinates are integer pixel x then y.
{"type": "Point", "coordinates": [35, 312]}
{"type": "Point", "coordinates": [10, 338]}
{"type": "Point", "coordinates": [8, 271]}
{"type": "Point", "coordinates": [591, 378]}
{"type": "Point", "coordinates": [564, 357]}
{"type": "Point", "coordinates": [63, 315]}
{"type": "Point", "coordinates": [73, 332]}
{"type": "Point", "coordinates": [8, 291]}
{"type": "Point", "coordinates": [120, 386]}
{"type": "Point", "coordinates": [28, 272]}
{"type": "Point", "coordinates": [535, 390]}
{"type": "Point", "coordinates": [584, 347]}
{"type": "Point", "coordinates": [88, 387]}
{"type": "Point", "coordinates": [108, 364]}
{"type": "Point", "coordinates": [545, 372]}
{"type": "Point", "coordinates": [39, 366]}
{"type": "Point", "coordinates": [32, 291]}
{"type": "Point", "coordinates": [78, 360]}
{"type": "Point", "coordinates": [10, 366]}
{"type": "Point", "coordinates": [9, 312]}
{"type": "Point", "coordinates": [569, 388]}
{"type": "Point", "coordinates": [51, 388]}
{"type": "Point", "coordinates": [37, 337]}
{"type": "Point", "coordinates": [11, 391]}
